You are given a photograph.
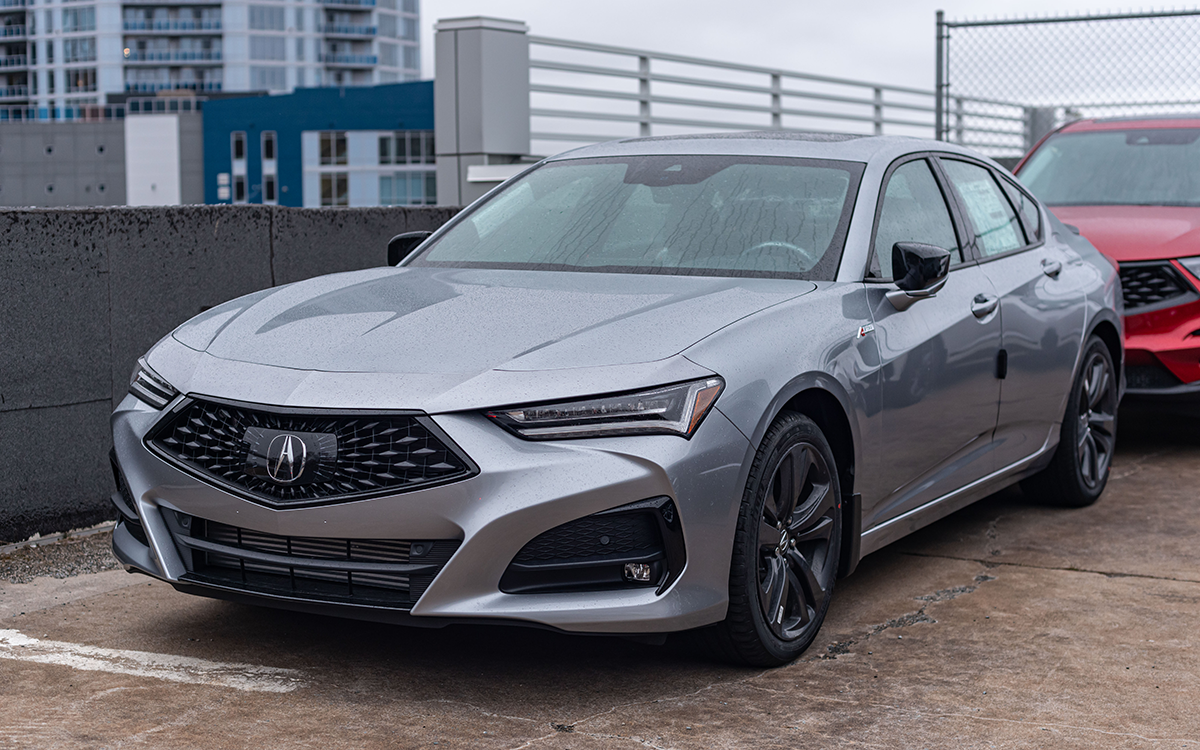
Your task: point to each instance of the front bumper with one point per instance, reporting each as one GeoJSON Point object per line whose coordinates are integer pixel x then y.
{"type": "Point", "coordinates": [523, 489]}
{"type": "Point", "coordinates": [1162, 352]}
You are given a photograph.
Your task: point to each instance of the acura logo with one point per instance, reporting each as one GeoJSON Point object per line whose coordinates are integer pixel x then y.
{"type": "Point", "coordinates": [286, 457]}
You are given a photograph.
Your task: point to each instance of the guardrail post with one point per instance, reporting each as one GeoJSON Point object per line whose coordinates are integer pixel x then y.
{"type": "Point", "coordinates": [938, 78]}
{"type": "Point", "coordinates": [776, 101]}
{"type": "Point", "coordinates": [480, 101]}
{"type": "Point", "coordinates": [644, 96]}
{"type": "Point", "coordinates": [1038, 122]}
{"type": "Point", "coordinates": [958, 120]}
{"type": "Point", "coordinates": [878, 111]}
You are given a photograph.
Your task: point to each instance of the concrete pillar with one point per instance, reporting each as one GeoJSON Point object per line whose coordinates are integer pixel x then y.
{"type": "Point", "coordinates": [480, 99]}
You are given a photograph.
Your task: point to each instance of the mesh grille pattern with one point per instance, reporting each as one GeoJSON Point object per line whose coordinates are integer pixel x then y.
{"type": "Point", "coordinates": [593, 537]}
{"type": "Point", "coordinates": [375, 454]}
{"type": "Point", "coordinates": [1150, 377]}
{"type": "Point", "coordinates": [1145, 285]}
{"type": "Point", "coordinates": [399, 588]}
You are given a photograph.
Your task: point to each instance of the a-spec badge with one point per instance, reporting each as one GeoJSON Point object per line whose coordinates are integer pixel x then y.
{"type": "Point", "coordinates": [286, 457]}
{"type": "Point", "coordinates": [864, 330]}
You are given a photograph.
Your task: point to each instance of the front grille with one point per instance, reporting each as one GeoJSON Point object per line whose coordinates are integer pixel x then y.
{"type": "Point", "coordinates": [380, 572]}
{"type": "Point", "coordinates": [1150, 377]}
{"type": "Point", "coordinates": [593, 537]}
{"type": "Point", "coordinates": [350, 456]}
{"type": "Point", "coordinates": [1157, 284]}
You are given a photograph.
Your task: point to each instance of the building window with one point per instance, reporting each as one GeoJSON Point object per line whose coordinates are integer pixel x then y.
{"type": "Point", "coordinates": [49, 21]}
{"type": "Point", "coordinates": [299, 19]}
{"type": "Point", "coordinates": [409, 6]}
{"type": "Point", "coordinates": [264, 78]}
{"type": "Point", "coordinates": [269, 189]}
{"type": "Point", "coordinates": [387, 25]}
{"type": "Point", "coordinates": [385, 149]}
{"type": "Point", "coordinates": [268, 48]}
{"type": "Point", "coordinates": [408, 29]}
{"type": "Point", "coordinates": [239, 188]}
{"type": "Point", "coordinates": [80, 80]}
{"type": "Point", "coordinates": [408, 189]}
{"type": "Point", "coordinates": [239, 145]}
{"type": "Point", "coordinates": [412, 58]}
{"type": "Point", "coordinates": [79, 19]}
{"type": "Point", "coordinates": [79, 50]}
{"type": "Point", "coordinates": [267, 18]}
{"type": "Point", "coordinates": [299, 47]}
{"type": "Point", "coordinates": [268, 145]}
{"type": "Point", "coordinates": [50, 82]}
{"type": "Point", "coordinates": [335, 189]}
{"type": "Point", "coordinates": [333, 147]}
{"type": "Point", "coordinates": [407, 147]}
{"type": "Point", "coordinates": [50, 51]}
{"type": "Point", "coordinates": [388, 55]}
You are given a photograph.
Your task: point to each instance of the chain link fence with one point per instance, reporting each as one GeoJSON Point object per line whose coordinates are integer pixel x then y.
{"type": "Point", "coordinates": [1003, 84]}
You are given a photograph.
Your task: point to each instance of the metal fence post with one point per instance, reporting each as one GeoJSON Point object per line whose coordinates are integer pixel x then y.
{"type": "Point", "coordinates": [644, 96]}
{"type": "Point", "coordinates": [878, 110]}
{"type": "Point", "coordinates": [958, 120]}
{"type": "Point", "coordinates": [776, 101]}
{"type": "Point", "coordinates": [938, 82]}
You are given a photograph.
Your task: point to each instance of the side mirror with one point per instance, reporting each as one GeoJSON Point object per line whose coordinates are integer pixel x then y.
{"type": "Point", "coordinates": [402, 245]}
{"type": "Point", "coordinates": [920, 272]}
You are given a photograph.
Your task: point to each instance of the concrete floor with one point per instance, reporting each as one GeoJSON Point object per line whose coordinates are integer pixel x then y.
{"type": "Point", "coordinates": [1007, 625]}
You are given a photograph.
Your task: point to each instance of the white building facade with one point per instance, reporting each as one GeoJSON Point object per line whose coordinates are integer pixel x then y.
{"type": "Point", "coordinates": [62, 54]}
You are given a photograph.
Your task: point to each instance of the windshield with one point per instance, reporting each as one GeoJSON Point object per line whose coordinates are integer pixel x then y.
{"type": "Point", "coordinates": [1117, 167]}
{"type": "Point", "coordinates": [692, 215]}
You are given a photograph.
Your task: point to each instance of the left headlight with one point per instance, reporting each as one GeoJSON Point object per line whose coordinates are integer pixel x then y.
{"type": "Point", "coordinates": [1192, 264]}
{"type": "Point", "coordinates": [670, 410]}
{"type": "Point", "coordinates": [150, 387]}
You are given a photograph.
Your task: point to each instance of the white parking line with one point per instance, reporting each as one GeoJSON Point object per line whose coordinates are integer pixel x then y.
{"type": "Point", "coordinates": [16, 645]}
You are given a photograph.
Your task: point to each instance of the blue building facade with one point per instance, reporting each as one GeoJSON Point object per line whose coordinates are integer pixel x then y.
{"type": "Point", "coordinates": [361, 146]}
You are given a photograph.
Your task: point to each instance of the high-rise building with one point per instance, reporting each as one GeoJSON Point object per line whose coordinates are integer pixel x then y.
{"type": "Point", "coordinates": [56, 55]}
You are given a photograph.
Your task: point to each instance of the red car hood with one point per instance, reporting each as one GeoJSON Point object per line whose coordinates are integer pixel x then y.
{"type": "Point", "coordinates": [1126, 233]}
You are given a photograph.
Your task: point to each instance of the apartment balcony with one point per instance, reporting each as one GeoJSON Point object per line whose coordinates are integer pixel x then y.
{"type": "Point", "coordinates": [12, 3]}
{"type": "Point", "coordinates": [175, 26]}
{"type": "Point", "coordinates": [343, 3]}
{"type": "Point", "coordinates": [14, 92]}
{"type": "Point", "coordinates": [14, 61]}
{"type": "Point", "coordinates": [343, 30]}
{"type": "Point", "coordinates": [348, 61]}
{"type": "Point", "coordinates": [11, 32]}
{"type": "Point", "coordinates": [174, 56]}
{"type": "Point", "coordinates": [152, 86]}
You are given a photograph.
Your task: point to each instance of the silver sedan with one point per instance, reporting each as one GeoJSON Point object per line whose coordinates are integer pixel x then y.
{"type": "Point", "coordinates": [649, 386]}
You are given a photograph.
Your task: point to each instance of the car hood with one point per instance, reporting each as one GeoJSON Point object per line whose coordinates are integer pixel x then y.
{"type": "Point", "coordinates": [1129, 233]}
{"type": "Point", "coordinates": [464, 322]}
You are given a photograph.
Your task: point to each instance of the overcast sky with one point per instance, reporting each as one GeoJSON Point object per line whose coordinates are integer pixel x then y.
{"type": "Point", "coordinates": [878, 41]}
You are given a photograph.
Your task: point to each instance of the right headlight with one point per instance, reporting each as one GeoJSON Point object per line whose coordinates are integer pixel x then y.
{"type": "Point", "coordinates": [150, 387]}
{"type": "Point", "coordinates": [669, 410]}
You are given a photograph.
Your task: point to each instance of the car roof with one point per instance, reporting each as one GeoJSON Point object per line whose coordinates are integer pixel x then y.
{"type": "Point", "coordinates": [1127, 123]}
{"type": "Point", "coordinates": [838, 146]}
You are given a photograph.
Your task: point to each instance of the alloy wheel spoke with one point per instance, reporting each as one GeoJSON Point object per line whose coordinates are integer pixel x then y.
{"type": "Point", "coordinates": [813, 591]}
{"type": "Point", "coordinates": [1100, 383]}
{"type": "Point", "coordinates": [768, 588]}
{"type": "Point", "coordinates": [800, 602]}
{"type": "Point", "coordinates": [1089, 459]}
{"type": "Point", "coordinates": [820, 531]}
{"type": "Point", "coordinates": [817, 504]}
{"type": "Point", "coordinates": [777, 596]}
{"type": "Point", "coordinates": [792, 472]}
{"type": "Point", "coordinates": [768, 534]}
{"type": "Point", "coordinates": [1101, 422]}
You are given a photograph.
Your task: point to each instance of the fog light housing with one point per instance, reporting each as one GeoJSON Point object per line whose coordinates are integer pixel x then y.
{"type": "Point", "coordinates": [639, 572]}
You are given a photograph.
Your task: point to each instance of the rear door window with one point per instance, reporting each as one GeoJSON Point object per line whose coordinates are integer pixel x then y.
{"type": "Point", "coordinates": [994, 222]}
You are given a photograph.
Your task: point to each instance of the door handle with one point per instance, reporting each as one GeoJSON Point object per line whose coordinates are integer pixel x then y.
{"type": "Point", "coordinates": [1051, 268]}
{"type": "Point", "coordinates": [983, 305]}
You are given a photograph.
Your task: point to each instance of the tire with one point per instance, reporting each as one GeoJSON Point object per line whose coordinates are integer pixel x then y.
{"type": "Point", "coordinates": [1082, 461]}
{"type": "Point", "coordinates": [785, 550]}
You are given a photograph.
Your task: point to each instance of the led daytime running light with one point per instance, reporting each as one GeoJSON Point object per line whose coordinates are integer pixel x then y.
{"type": "Point", "coordinates": [150, 387]}
{"type": "Point", "coordinates": [671, 410]}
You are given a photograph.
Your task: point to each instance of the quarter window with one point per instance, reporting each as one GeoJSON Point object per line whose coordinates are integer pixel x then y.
{"type": "Point", "coordinates": [995, 223]}
{"type": "Point", "coordinates": [913, 210]}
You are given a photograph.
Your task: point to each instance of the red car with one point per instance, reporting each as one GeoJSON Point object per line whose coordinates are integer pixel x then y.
{"type": "Point", "coordinates": [1132, 187]}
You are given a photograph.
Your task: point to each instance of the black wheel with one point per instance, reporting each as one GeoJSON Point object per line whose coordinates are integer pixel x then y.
{"type": "Point", "coordinates": [786, 548]}
{"type": "Point", "coordinates": [1079, 470]}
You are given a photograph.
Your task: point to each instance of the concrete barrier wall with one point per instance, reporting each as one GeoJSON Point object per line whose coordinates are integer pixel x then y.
{"type": "Point", "coordinates": [85, 292]}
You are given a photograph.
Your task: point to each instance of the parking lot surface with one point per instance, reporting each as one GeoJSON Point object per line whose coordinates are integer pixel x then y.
{"type": "Point", "coordinates": [1006, 625]}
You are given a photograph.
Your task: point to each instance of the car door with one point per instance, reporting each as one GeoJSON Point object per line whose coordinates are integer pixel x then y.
{"type": "Point", "coordinates": [938, 381]}
{"type": "Point", "coordinates": [1041, 288]}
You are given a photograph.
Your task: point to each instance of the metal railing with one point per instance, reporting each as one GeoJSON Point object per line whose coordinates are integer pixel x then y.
{"type": "Point", "coordinates": [15, 30]}
{"type": "Point", "coordinates": [368, 3]}
{"type": "Point", "coordinates": [12, 3]}
{"type": "Point", "coordinates": [14, 61]}
{"type": "Point", "coordinates": [14, 92]}
{"type": "Point", "coordinates": [346, 30]}
{"type": "Point", "coordinates": [628, 92]}
{"type": "Point", "coordinates": [151, 86]}
{"type": "Point", "coordinates": [83, 113]}
{"type": "Point", "coordinates": [174, 56]}
{"type": "Point", "coordinates": [172, 25]}
{"type": "Point", "coordinates": [329, 59]}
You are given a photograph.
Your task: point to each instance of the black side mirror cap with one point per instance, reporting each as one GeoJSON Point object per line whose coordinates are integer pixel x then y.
{"type": "Point", "coordinates": [917, 266]}
{"type": "Point", "coordinates": [402, 245]}
{"type": "Point", "coordinates": [920, 271]}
